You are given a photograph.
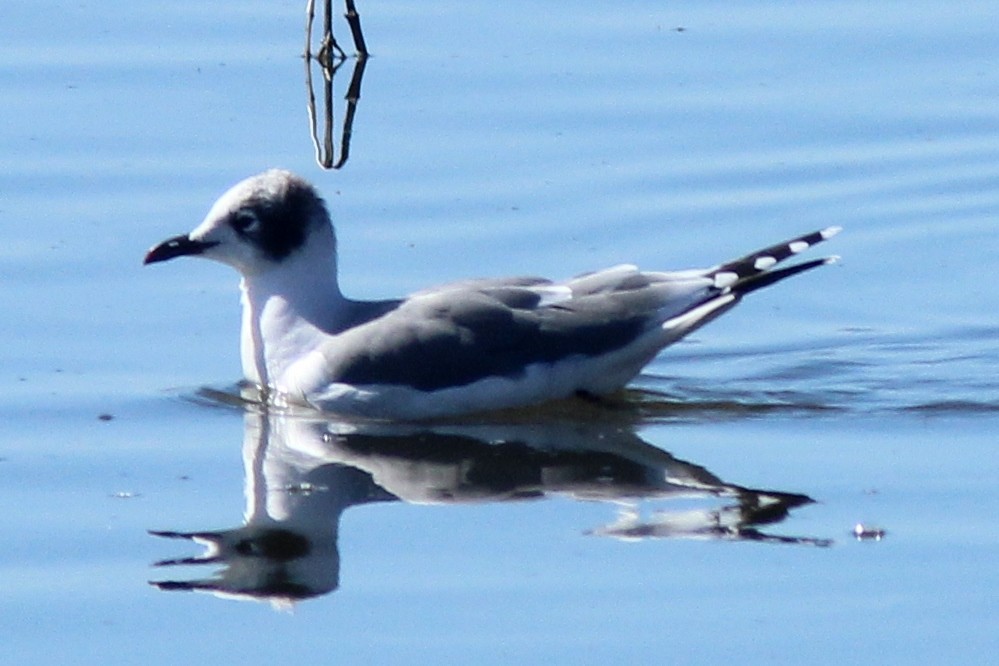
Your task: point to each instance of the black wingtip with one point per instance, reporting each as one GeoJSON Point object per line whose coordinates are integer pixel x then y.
{"type": "Point", "coordinates": [761, 261]}
{"type": "Point", "coordinates": [767, 278]}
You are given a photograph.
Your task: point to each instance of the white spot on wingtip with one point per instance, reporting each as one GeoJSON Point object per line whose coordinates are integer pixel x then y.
{"type": "Point", "coordinates": [725, 279]}
{"type": "Point", "coordinates": [829, 232]}
{"type": "Point", "coordinates": [763, 263]}
{"type": "Point", "coordinates": [797, 246]}
{"type": "Point", "coordinates": [553, 294]}
{"type": "Point", "coordinates": [832, 260]}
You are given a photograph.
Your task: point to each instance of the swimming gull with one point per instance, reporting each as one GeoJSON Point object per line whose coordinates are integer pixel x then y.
{"type": "Point", "coordinates": [463, 347]}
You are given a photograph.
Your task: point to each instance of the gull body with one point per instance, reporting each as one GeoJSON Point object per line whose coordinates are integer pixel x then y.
{"type": "Point", "coordinates": [464, 347]}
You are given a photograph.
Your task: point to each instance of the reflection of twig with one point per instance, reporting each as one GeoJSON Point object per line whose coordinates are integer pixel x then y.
{"type": "Point", "coordinates": [329, 49]}
{"type": "Point", "coordinates": [325, 152]}
{"type": "Point", "coordinates": [352, 97]}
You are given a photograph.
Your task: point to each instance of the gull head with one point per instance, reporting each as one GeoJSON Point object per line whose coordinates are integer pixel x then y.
{"type": "Point", "coordinates": [257, 225]}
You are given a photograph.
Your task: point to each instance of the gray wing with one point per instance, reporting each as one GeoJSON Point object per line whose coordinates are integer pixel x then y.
{"type": "Point", "coordinates": [456, 334]}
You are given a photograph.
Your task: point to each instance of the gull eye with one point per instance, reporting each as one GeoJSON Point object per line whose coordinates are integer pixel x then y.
{"type": "Point", "coordinates": [244, 222]}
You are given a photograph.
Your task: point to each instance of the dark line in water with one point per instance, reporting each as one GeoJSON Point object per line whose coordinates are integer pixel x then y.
{"type": "Point", "coordinates": [952, 407]}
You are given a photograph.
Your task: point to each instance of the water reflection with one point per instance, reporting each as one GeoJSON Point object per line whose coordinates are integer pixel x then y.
{"type": "Point", "coordinates": [326, 151]}
{"type": "Point", "coordinates": [302, 474]}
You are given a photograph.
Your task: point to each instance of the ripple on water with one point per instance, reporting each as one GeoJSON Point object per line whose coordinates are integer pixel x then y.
{"type": "Point", "coordinates": [860, 371]}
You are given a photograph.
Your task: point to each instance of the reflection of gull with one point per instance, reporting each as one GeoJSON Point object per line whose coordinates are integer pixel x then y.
{"type": "Point", "coordinates": [589, 461]}
{"type": "Point", "coordinates": [302, 474]}
{"type": "Point", "coordinates": [463, 347]}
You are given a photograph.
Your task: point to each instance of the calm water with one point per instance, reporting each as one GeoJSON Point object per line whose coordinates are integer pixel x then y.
{"type": "Point", "coordinates": [705, 516]}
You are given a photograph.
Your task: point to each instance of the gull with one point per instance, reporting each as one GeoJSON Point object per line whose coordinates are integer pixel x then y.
{"type": "Point", "coordinates": [469, 346]}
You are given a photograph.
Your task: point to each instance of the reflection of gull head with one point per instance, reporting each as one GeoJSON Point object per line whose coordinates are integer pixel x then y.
{"type": "Point", "coordinates": [262, 563]}
{"type": "Point", "coordinates": [287, 548]}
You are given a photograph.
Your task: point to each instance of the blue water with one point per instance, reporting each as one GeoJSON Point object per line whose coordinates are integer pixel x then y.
{"type": "Point", "coordinates": [492, 139]}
